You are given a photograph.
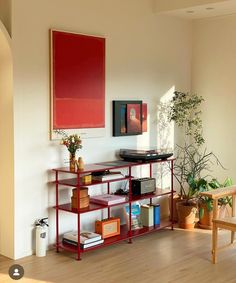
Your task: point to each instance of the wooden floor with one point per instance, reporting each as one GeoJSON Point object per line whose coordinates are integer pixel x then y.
{"type": "Point", "coordinates": [162, 257]}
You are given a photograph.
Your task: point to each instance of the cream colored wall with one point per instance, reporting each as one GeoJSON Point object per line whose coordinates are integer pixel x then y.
{"type": "Point", "coordinates": [214, 69]}
{"type": "Point", "coordinates": [5, 14]}
{"type": "Point", "coordinates": [6, 148]}
{"type": "Point", "coordinates": [146, 55]}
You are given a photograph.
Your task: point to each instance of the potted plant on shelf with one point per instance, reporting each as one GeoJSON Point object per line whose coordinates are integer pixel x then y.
{"type": "Point", "coordinates": [73, 143]}
{"type": "Point", "coordinates": [192, 160]}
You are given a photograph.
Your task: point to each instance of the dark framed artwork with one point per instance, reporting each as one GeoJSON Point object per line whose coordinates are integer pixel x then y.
{"type": "Point", "coordinates": [127, 117]}
{"type": "Point", "coordinates": [77, 81]}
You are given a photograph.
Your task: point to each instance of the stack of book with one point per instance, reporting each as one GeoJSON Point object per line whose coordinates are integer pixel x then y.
{"type": "Point", "coordinates": [87, 239]}
{"type": "Point", "coordinates": [106, 175]}
{"type": "Point", "coordinates": [108, 199]}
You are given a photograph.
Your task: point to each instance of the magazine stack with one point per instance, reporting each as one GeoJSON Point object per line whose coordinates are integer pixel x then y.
{"type": "Point", "coordinates": [87, 239]}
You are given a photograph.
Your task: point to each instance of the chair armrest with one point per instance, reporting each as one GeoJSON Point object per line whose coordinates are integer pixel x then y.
{"type": "Point", "coordinates": [219, 193]}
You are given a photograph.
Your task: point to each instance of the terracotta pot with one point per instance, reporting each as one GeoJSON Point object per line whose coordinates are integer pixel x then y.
{"type": "Point", "coordinates": [205, 222]}
{"type": "Point", "coordinates": [186, 215]}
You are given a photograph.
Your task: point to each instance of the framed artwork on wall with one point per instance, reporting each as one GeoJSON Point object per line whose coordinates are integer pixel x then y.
{"type": "Point", "coordinates": [77, 83]}
{"type": "Point", "coordinates": [127, 117]}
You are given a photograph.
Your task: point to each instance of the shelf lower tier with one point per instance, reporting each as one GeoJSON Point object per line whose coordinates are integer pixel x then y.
{"type": "Point", "coordinates": [124, 235]}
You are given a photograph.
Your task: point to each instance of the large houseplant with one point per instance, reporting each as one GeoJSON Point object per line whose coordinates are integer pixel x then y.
{"type": "Point", "coordinates": [192, 160]}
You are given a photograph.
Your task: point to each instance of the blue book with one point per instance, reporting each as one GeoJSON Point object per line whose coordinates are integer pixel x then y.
{"type": "Point", "coordinates": [156, 212]}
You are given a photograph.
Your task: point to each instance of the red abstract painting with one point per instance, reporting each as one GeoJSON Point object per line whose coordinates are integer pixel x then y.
{"type": "Point", "coordinates": [77, 81]}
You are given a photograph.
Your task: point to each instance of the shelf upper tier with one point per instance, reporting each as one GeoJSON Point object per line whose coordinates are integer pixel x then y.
{"type": "Point", "coordinates": [109, 165]}
{"type": "Point", "coordinates": [72, 182]}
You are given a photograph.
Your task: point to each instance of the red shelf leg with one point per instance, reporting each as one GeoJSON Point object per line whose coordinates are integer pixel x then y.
{"type": "Point", "coordinates": [172, 194]}
{"type": "Point", "coordinates": [78, 216]}
{"type": "Point", "coordinates": [57, 216]}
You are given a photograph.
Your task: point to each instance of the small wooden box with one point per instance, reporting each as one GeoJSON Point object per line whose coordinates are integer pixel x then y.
{"type": "Point", "coordinates": [108, 227]}
{"type": "Point", "coordinates": [83, 192]}
{"type": "Point", "coordinates": [84, 202]}
{"type": "Point", "coordinates": [86, 179]}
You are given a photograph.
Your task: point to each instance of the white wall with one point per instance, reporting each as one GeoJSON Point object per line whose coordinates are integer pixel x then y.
{"type": "Point", "coordinates": [6, 147]}
{"type": "Point", "coordinates": [214, 69]}
{"type": "Point", "coordinates": [146, 55]}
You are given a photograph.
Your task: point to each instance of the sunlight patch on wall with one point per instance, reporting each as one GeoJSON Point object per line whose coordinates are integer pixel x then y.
{"type": "Point", "coordinates": [165, 129]}
{"type": "Point", "coordinates": [165, 136]}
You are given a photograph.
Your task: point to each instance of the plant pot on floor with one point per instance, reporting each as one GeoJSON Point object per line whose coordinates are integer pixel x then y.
{"type": "Point", "coordinates": [186, 215]}
{"type": "Point", "coordinates": [205, 216]}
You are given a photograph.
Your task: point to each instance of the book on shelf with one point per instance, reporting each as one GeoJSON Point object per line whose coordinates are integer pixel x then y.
{"type": "Point", "coordinates": [86, 237]}
{"type": "Point", "coordinates": [147, 215]}
{"type": "Point", "coordinates": [83, 246]}
{"type": "Point", "coordinates": [135, 216]}
{"type": "Point", "coordinates": [106, 175]}
{"type": "Point", "coordinates": [108, 199]}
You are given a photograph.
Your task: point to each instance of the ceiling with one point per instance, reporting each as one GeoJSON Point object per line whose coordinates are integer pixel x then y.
{"type": "Point", "coordinates": [200, 11]}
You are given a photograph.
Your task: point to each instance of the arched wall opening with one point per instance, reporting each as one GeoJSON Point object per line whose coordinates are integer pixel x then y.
{"type": "Point", "coordinates": [6, 146]}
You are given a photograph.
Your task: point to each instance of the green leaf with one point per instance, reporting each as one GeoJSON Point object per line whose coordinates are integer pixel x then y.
{"type": "Point", "coordinates": [228, 182]}
{"type": "Point", "coordinates": [214, 184]}
{"type": "Point", "coordinates": [201, 212]}
{"type": "Point", "coordinates": [209, 205]}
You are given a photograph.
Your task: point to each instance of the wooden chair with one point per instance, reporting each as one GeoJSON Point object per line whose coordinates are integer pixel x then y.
{"type": "Point", "coordinates": [228, 223]}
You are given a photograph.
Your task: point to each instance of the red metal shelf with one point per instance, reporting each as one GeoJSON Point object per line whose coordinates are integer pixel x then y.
{"type": "Point", "coordinates": [124, 235]}
{"type": "Point", "coordinates": [88, 168]}
{"type": "Point", "coordinates": [72, 182]}
{"type": "Point", "coordinates": [102, 166]}
{"type": "Point", "coordinates": [92, 207]}
{"type": "Point", "coordinates": [158, 193]}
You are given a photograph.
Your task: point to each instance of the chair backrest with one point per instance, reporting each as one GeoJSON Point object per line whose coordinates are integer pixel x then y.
{"type": "Point", "coordinates": [216, 194]}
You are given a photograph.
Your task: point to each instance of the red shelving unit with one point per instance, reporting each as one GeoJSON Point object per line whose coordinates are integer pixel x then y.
{"type": "Point", "coordinates": [126, 233]}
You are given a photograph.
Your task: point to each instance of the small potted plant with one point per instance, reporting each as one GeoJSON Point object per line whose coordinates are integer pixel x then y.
{"type": "Point", "coordinates": [73, 143]}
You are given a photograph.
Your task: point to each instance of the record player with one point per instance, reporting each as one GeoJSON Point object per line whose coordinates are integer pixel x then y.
{"type": "Point", "coordinates": [144, 154]}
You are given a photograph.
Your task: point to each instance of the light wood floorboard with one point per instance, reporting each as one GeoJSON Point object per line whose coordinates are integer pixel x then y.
{"type": "Point", "coordinates": [162, 257]}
